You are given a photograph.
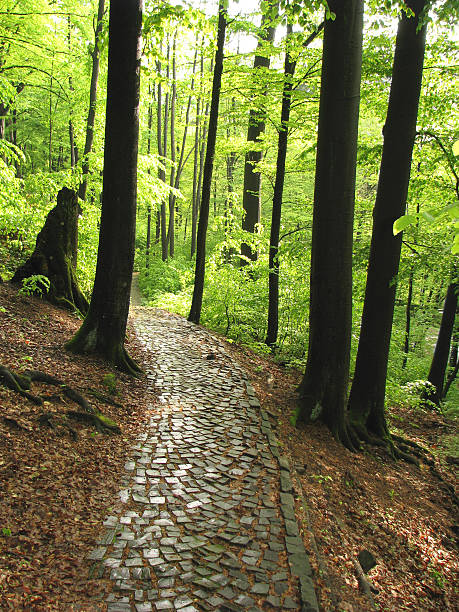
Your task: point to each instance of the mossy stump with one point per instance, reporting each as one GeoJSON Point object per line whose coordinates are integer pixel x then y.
{"type": "Point", "coordinates": [55, 254]}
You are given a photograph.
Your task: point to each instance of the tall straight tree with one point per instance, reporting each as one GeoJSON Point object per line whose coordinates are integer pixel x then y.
{"type": "Point", "coordinates": [196, 304]}
{"type": "Point", "coordinates": [323, 389]}
{"type": "Point", "coordinates": [366, 401]}
{"type": "Point", "coordinates": [439, 363]}
{"type": "Point", "coordinates": [95, 54]}
{"type": "Point", "coordinates": [104, 328]}
{"type": "Point", "coordinates": [251, 195]}
{"type": "Point", "coordinates": [273, 282]}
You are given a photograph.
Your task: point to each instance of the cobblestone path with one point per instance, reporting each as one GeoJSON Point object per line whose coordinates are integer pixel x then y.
{"type": "Point", "coordinates": [208, 521]}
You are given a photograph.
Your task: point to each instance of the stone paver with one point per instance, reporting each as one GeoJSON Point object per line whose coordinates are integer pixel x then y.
{"type": "Point", "coordinates": [209, 521]}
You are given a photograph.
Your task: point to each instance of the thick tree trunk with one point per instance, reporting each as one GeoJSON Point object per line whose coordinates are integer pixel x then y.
{"type": "Point", "coordinates": [92, 101]}
{"type": "Point", "coordinates": [273, 281]}
{"type": "Point", "coordinates": [104, 328]}
{"type": "Point", "coordinates": [54, 254]}
{"type": "Point", "coordinates": [251, 196]}
{"type": "Point", "coordinates": [196, 304]}
{"type": "Point", "coordinates": [323, 389]}
{"type": "Point", "coordinates": [440, 357]}
{"type": "Point", "coordinates": [366, 402]}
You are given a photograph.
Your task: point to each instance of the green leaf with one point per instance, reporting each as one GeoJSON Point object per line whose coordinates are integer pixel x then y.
{"type": "Point", "coordinates": [429, 217]}
{"type": "Point", "coordinates": [455, 247]}
{"type": "Point", "coordinates": [453, 211]}
{"type": "Point", "coordinates": [402, 223]}
{"type": "Point", "coordinates": [456, 148]}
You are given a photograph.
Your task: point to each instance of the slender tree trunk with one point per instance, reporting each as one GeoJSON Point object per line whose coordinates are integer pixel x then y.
{"type": "Point", "coordinates": [104, 328]}
{"type": "Point", "coordinates": [251, 196]}
{"type": "Point", "coordinates": [92, 100]}
{"type": "Point", "coordinates": [440, 357]}
{"type": "Point", "coordinates": [196, 304]}
{"type": "Point", "coordinates": [171, 236]}
{"type": "Point", "coordinates": [161, 173]}
{"type": "Point", "coordinates": [273, 281]}
{"type": "Point", "coordinates": [50, 131]}
{"type": "Point", "coordinates": [194, 205]}
{"type": "Point", "coordinates": [73, 156]}
{"type": "Point", "coordinates": [148, 237]}
{"type": "Point", "coordinates": [409, 303]}
{"type": "Point", "coordinates": [323, 389]}
{"type": "Point", "coordinates": [366, 402]}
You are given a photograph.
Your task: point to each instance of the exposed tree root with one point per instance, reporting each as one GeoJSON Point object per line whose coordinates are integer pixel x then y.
{"type": "Point", "coordinates": [14, 381]}
{"type": "Point", "coordinates": [13, 423]}
{"type": "Point", "coordinates": [47, 418]}
{"type": "Point", "coordinates": [19, 382]}
{"type": "Point", "coordinates": [36, 376]}
{"type": "Point", "coordinates": [104, 398]}
{"type": "Point", "coordinates": [387, 441]}
{"type": "Point", "coordinates": [100, 422]}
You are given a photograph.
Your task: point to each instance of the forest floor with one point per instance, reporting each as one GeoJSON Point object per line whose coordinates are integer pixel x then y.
{"type": "Point", "coordinates": [55, 491]}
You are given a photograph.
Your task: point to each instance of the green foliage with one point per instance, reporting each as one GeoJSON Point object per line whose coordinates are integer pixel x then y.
{"type": "Point", "coordinates": [163, 278]}
{"type": "Point", "coordinates": [38, 284]}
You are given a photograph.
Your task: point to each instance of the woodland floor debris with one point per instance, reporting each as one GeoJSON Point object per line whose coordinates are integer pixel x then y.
{"type": "Point", "coordinates": [55, 491]}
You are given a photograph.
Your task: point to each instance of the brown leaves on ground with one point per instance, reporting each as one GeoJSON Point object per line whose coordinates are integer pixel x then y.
{"type": "Point", "coordinates": [404, 515]}
{"type": "Point", "coordinates": [55, 491]}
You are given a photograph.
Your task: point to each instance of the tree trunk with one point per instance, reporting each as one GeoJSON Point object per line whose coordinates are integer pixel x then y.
{"type": "Point", "coordinates": [440, 357]}
{"type": "Point", "coordinates": [323, 389]}
{"type": "Point", "coordinates": [162, 151]}
{"type": "Point", "coordinates": [366, 402]}
{"type": "Point", "coordinates": [273, 281]}
{"type": "Point", "coordinates": [104, 328]}
{"type": "Point", "coordinates": [73, 154]}
{"type": "Point", "coordinates": [409, 302]}
{"type": "Point", "coordinates": [148, 237]}
{"type": "Point", "coordinates": [54, 254]}
{"type": "Point", "coordinates": [251, 196]}
{"type": "Point", "coordinates": [92, 101]}
{"type": "Point", "coordinates": [194, 204]}
{"type": "Point", "coordinates": [196, 304]}
{"type": "Point", "coordinates": [171, 230]}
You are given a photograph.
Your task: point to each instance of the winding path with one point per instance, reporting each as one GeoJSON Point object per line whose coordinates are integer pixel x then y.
{"type": "Point", "coordinates": [208, 520]}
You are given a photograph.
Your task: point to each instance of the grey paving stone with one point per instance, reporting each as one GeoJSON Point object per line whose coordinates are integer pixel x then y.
{"type": "Point", "coordinates": [203, 458]}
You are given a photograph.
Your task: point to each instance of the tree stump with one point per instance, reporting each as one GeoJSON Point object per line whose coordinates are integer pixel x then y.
{"type": "Point", "coordinates": [55, 254]}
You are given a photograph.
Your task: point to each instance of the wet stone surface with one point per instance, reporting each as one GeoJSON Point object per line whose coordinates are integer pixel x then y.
{"type": "Point", "coordinates": [206, 514]}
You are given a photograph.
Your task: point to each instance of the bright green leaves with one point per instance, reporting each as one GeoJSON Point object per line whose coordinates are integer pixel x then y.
{"type": "Point", "coordinates": [456, 148]}
{"type": "Point", "coordinates": [402, 223]}
{"type": "Point", "coordinates": [432, 216]}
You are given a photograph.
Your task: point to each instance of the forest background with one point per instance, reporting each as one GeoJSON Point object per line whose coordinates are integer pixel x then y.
{"type": "Point", "coordinates": [53, 64]}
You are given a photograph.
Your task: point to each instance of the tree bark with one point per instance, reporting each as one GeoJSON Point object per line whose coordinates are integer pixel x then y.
{"type": "Point", "coordinates": [92, 101]}
{"type": "Point", "coordinates": [273, 280]}
{"type": "Point", "coordinates": [196, 304]}
{"type": "Point", "coordinates": [323, 389]}
{"type": "Point", "coordinates": [194, 204]}
{"type": "Point", "coordinates": [73, 153]}
{"type": "Point", "coordinates": [409, 302]}
{"type": "Point", "coordinates": [148, 236]}
{"type": "Point", "coordinates": [251, 196]}
{"type": "Point", "coordinates": [440, 357]}
{"type": "Point", "coordinates": [171, 230]}
{"type": "Point", "coordinates": [54, 254]}
{"type": "Point", "coordinates": [104, 328]}
{"type": "Point", "coordinates": [366, 402]}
